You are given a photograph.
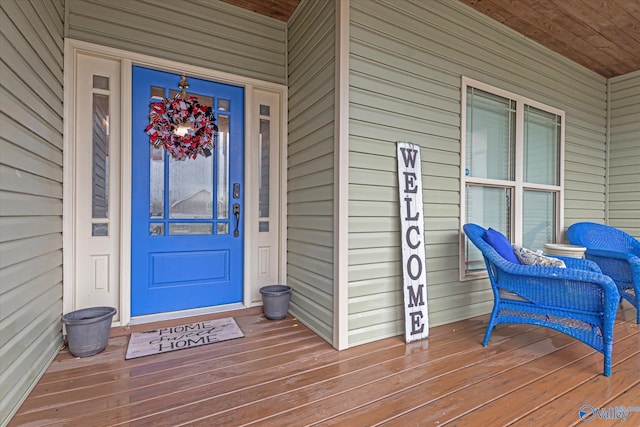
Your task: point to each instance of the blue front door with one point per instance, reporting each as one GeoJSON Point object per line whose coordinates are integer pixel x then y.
{"type": "Point", "coordinates": [186, 215]}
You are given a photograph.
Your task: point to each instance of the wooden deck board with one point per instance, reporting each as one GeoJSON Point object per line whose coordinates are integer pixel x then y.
{"type": "Point", "coordinates": [397, 380]}
{"type": "Point", "coordinates": [598, 391]}
{"type": "Point", "coordinates": [283, 374]}
{"type": "Point", "coordinates": [312, 384]}
{"type": "Point", "coordinates": [464, 389]}
{"type": "Point", "coordinates": [528, 392]}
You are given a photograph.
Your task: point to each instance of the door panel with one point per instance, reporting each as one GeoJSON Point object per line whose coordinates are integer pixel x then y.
{"type": "Point", "coordinates": [207, 265]}
{"type": "Point", "coordinates": [186, 243]}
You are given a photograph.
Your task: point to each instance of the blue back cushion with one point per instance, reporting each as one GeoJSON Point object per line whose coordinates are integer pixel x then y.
{"type": "Point", "coordinates": [501, 244]}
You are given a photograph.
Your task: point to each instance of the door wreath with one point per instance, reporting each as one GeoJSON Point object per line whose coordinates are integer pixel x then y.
{"type": "Point", "coordinates": [181, 125]}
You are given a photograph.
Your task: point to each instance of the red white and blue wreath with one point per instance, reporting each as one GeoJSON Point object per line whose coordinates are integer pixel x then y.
{"type": "Point", "coordinates": [196, 122]}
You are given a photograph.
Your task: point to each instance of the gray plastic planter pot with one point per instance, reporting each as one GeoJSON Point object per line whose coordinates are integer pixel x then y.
{"type": "Point", "coordinates": [275, 301]}
{"type": "Point", "coordinates": [88, 330]}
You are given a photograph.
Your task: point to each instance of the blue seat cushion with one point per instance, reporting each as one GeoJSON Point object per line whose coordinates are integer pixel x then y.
{"type": "Point", "coordinates": [501, 244]}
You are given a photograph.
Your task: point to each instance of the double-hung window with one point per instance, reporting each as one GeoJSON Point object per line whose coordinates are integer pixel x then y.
{"type": "Point", "coordinates": [511, 169]}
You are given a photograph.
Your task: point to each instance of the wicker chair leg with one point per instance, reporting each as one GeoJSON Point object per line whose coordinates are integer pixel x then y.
{"type": "Point", "coordinates": [607, 359]}
{"type": "Point", "coordinates": [487, 334]}
{"type": "Point", "coordinates": [492, 322]}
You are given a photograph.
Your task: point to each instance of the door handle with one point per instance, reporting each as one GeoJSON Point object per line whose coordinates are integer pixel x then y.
{"type": "Point", "coordinates": [236, 212]}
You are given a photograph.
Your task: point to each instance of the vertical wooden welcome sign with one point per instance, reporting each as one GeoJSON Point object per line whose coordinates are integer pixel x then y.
{"type": "Point", "coordinates": [416, 316]}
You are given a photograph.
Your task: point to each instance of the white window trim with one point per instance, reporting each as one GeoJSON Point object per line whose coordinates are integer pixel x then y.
{"type": "Point", "coordinates": [518, 184]}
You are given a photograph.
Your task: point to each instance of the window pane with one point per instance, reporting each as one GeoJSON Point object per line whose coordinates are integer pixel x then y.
{"type": "Point", "coordinates": [204, 100]}
{"type": "Point", "coordinates": [222, 167]}
{"type": "Point", "coordinates": [192, 228]}
{"type": "Point", "coordinates": [223, 228]}
{"type": "Point", "coordinates": [100, 161]}
{"type": "Point", "coordinates": [100, 82]}
{"type": "Point", "coordinates": [490, 139]}
{"type": "Point", "coordinates": [224, 105]}
{"type": "Point", "coordinates": [156, 182]}
{"type": "Point", "coordinates": [157, 93]}
{"type": "Point", "coordinates": [488, 207]}
{"type": "Point", "coordinates": [99, 230]}
{"type": "Point", "coordinates": [156, 229]}
{"type": "Point", "coordinates": [263, 185]}
{"type": "Point", "coordinates": [541, 146]}
{"type": "Point", "coordinates": [191, 188]}
{"type": "Point", "coordinates": [539, 222]}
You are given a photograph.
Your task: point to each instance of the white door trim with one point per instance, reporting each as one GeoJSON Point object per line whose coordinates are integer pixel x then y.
{"type": "Point", "coordinates": [127, 59]}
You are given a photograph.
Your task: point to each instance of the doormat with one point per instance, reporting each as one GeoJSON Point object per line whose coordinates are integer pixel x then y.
{"type": "Point", "coordinates": [180, 337]}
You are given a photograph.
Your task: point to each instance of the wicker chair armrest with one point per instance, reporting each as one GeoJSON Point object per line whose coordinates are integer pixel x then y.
{"type": "Point", "coordinates": [627, 256]}
{"type": "Point", "coordinates": [565, 274]}
{"type": "Point", "coordinates": [579, 263]}
{"type": "Point", "coordinates": [555, 272]}
{"type": "Point", "coordinates": [529, 281]}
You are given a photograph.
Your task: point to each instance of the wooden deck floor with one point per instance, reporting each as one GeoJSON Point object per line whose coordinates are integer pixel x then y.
{"type": "Point", "coordinates": [282, 374]}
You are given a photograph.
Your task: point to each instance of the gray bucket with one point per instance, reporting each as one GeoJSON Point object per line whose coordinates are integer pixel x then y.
{"type": "Point", "coordinates": [88, 330]}
{"type": "Point", "coordinates": [275, 301]}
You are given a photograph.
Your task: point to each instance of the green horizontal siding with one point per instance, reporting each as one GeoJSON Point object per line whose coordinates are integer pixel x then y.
{"type": "Point", "coordinates": [217, 35]}
{"type": "Point", "coordinates": [624, 155]}
{"type": "Point", "coordinates": [311, 66]}
{"type": "Point", "coordinates": [406, 63]}
{"type": "Point", "coordinates": [31, 113]}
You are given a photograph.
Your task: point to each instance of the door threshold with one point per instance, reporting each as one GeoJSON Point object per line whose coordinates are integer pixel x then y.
{"type": "Point", "coordinates": [158, 317]}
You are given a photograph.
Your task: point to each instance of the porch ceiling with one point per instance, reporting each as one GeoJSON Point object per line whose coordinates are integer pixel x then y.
{"type": "Point", "coordinates": [602, 35]}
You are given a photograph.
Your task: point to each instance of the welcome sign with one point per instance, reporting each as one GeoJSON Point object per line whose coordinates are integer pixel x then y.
{"type": "Point", "coordinates": [413, 255]}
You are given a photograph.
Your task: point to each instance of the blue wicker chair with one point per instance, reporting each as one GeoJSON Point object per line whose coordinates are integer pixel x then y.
{"type": "Point", "coordinates": [616, 253]}
{"type": "Point", "coordinates": [578, 300]}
